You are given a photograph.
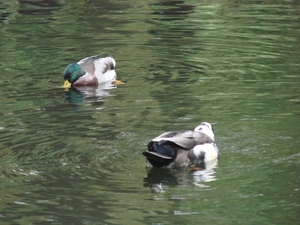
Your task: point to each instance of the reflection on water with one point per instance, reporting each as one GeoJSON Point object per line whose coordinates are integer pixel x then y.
{"type": "Point", "coordinates": [234, 63]}
{"type": "Point", "coordinates": [41, 7]}
{"type": "Point", "coordinates": [80, 94]}
{"type": "Point", "coordinates": [159, 180]}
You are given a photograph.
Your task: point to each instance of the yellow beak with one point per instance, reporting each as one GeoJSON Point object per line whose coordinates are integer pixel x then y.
{"type": "Point", "coordinates": [66, 84]}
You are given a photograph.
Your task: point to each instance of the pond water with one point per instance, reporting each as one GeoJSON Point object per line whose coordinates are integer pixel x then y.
{"type": "Point", "coordinates": [74, 157]}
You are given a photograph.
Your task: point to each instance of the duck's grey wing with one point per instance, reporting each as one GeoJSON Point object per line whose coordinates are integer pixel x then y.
{"type": "Point", "coordinates": [165, 135]}
{"type": "Point", "coordinates": [201, 138]}
{"type": "Point", "coordinates": [182, 139]}
{"type": "Point", "coordinates": [88, 63]}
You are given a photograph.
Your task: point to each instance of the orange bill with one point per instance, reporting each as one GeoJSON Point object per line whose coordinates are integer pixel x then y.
{"type": "Point", "coordinates": [118, 82]}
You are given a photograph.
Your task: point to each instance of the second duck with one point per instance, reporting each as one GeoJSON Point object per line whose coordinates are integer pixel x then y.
{"type": "Point", "coordinates": [176, 149]}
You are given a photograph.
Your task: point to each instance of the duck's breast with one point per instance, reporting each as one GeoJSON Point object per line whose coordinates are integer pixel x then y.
{"type": "Point", "coordinates": [208, 151]}
{"type": "Point", "coordinates": [86, 80]}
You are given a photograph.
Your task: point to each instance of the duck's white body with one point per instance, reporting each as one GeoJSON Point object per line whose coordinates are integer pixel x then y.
{"type": "Point", "coordinates": [101, 68]}
{"type": "Point", "coordinates": [204, 153]}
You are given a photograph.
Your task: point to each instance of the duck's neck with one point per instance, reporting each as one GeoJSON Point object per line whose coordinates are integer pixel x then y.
{"type": "Point", "coordinates": [73, 72]}
{"type": "Point", "coordinates": [77, 73]}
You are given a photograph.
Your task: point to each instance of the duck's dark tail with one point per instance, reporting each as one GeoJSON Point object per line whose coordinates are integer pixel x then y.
{"type": "Point", "coordinates": [156, 159]}
{"type": "Point", "coordinates": [161, 154]}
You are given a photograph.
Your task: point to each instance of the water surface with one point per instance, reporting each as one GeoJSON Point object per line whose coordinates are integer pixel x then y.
{"type": "Point", "coordinates": [74, 157]}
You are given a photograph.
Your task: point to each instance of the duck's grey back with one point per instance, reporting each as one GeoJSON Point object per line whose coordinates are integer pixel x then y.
{"type": "Point", "coordinates": [183, 139]}
{"type": "Point", "coordinates": [88, 64]}
{"type": "Point", "coordinates": [201, 138]}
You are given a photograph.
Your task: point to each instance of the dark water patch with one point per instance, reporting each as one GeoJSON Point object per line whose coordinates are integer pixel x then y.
{"type": "Point", "coordinates": [75, 156]}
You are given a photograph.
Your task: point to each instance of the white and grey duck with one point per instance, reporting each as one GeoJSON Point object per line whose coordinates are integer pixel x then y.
{"type": "Point", "coordinates": [177, 149]}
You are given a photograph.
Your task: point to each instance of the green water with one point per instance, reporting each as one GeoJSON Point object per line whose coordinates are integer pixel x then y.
{"type": "Point", "coordinates": [74, 157]}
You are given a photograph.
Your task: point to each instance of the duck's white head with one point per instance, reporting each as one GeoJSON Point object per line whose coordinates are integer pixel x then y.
{"type": "Point", "coordinates": [113, 62]}
{"type": "Point", "coordinates": [205, 128]}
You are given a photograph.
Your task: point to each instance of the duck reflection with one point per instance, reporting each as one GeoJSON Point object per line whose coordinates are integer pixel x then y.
{"type": "Point", "coordinates": [161, 179]}
{"type": "Point", "coordinates": [81, 94]}
{"type": "Point", "coordinates": [43, 7]}
{"type": "Point", "coordinates": [206, 174]}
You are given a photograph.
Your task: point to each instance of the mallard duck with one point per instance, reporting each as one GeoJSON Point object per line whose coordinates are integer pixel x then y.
{"type": "Point", "coordinates": [178, 149]}
{"type": "Point", "coordinates": [91, 71]}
